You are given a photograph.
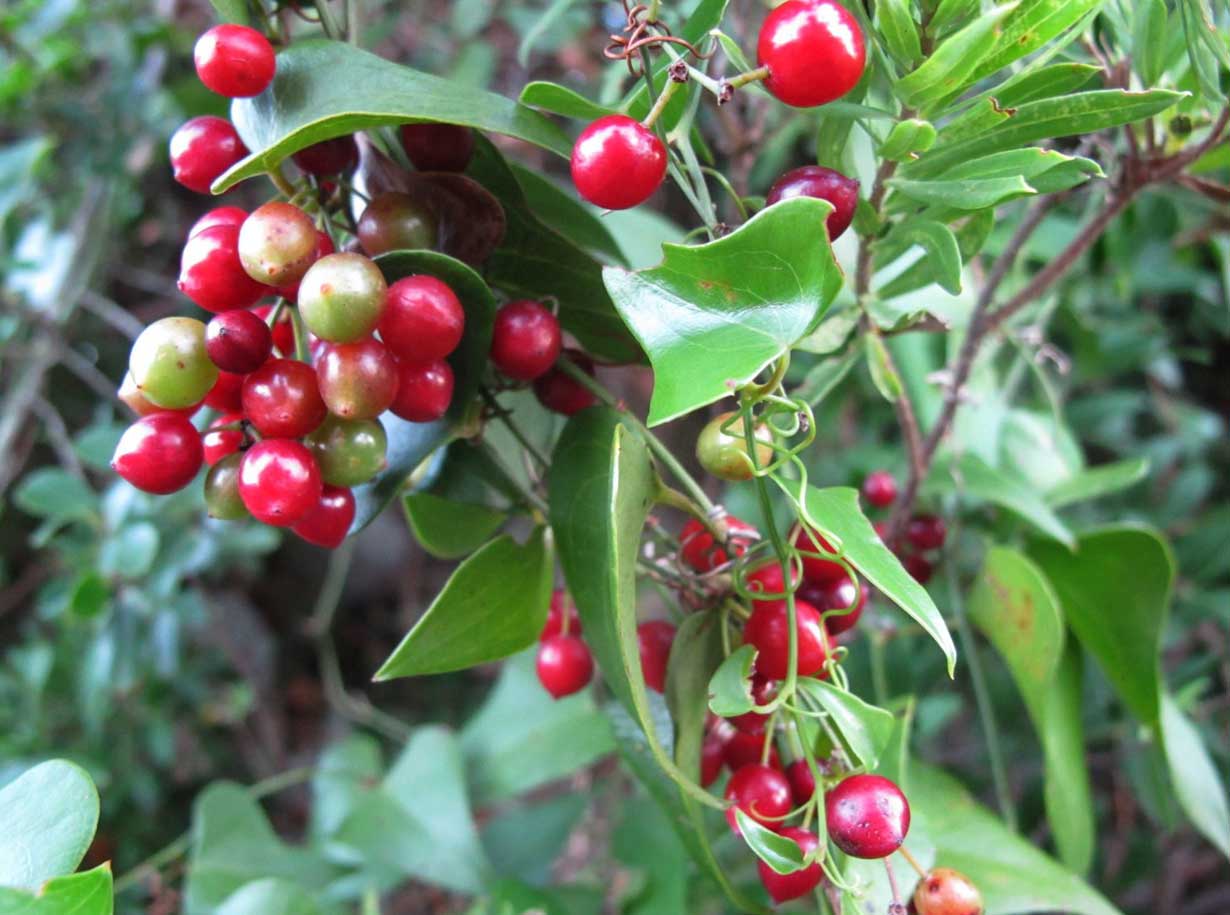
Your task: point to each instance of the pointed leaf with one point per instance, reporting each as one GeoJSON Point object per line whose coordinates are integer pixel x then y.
{"type": "Point", "coordinates": [730, 690]}
{"type": "Point", "coordinates": [936, 239]}
{"type": "Point", "coordinates": [1030, 26]}
{"type": "Point", "coordinates": [448, 529]}
{"type": "Point", "coordinates": [1200, 790]}
{"type": "Point", "coordinates": [1098, 481]}
{"type": "Point", "coordinates": [47, 819]}
{"type": "Point", "coordinates": [865, 729]}
{"type": "Point", "coordinates": [949, 69]}
{"type": "Point", "coordinates": [561, 100]}
{"type": "Point", "coordinates": [964, 194]}
{"type": "Point", "coordinates": [977, 479]}
{"type": "Point", "coordinates": [779, 852]}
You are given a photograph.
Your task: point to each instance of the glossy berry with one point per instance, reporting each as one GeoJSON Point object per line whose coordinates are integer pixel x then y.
{"type": "Point", "coordinates": [769, 581]}
{"type": "Point", "coordinates": [880, 488]}
{"type": "Point", "coordinates": [328, 157]}
{"type": "Point", "coordinates": [723, 452]}
{"type": "Point", "coordinates": [394, 221]}
{"type": "Point", "coordinates": [238, 341]}
{"type": "Point", "coordinates": [525, 340]}
{"type": "Point", "coordinates": [438, 147]}
{"type": "Point", "coordinates": [341, 297]}
{"type": "Point", "coordinates": [712, 758]}
{"type": "Point", "coordinates": [282, 329]}
{"type": "Point", "coordinates": [202, 149]}
{"type": "Point", "coordinates": [422, 319]}
{"type": "Point", "coordinates": [159, 453]}
{"type": "Point", "coordinates": [132, 397]}
{"type": "Point", "coordinates": [282, 400]}
{"type": "Point", "coordinates": [564, 665]}
{"type": "Point", "coordinates": [768, 629]}
{"type": "Point", "coordinates": [277, 243]}
{"type": "Point", "coordinates": [560, 393]}
{"type": "Point", "coordinates": [816, 569]}
{"type": "Point", "coordinates": [222, 499]}
{"type": "Point", "coordinates": [867, 816]}
{"type": "Point", "coordinates": [227, 393]}
{"type": "Point", "coordinates": [919, 567]}
{"type": "Point", "coordinates": [784, 887]}
{"type": "Point", "coordinates": [324, 246]}
{"type": "Point", "coordinates": [561, 606]}
{"type": "Point", "coordinates": [698, 549]}
{"type": "Point", "coordinates": [169, 364]}
{"type": "Point", "coordinates": [211, 274]}
{"type": "Point", "coordinates": [926, 532]}
{"type": "Point", "coordinates": [744, 749]}
{"type": "Point", "coordinates": [802, 782]}
{"type": "Point", "coordinates": [357, 380]}
{"type": "Point", "coordinates": [841, 594]}
{"type": "Point", "coordinates": [759, 791]}
{"type": "Point", "coordinates": [219, 441]}
{"type": "Point", "coordinates": [219, 216]}
{"type": "Point", "coordinates": [763, 691]}
{"type": "Point", "coordinates": [234, 60]}
{"type": "Point", "coordinates": [823, 184]}
{"type": "Point", "coordinates": [944, 891]}
{"type": "Point", "coordinates": [329, 522]}
{"type": "Point", "coordinates": [279, 481]}
{"type": "Point", "coordinates": [424, 390]}
{"type": "Point", "coordinates": [814, 51]}
{"type": "Point", "coordinates": [617, 162]}
{"type": "Point", "coordinates": [654, 640]}
{"type": "Point", "coordinates": [348, 452]}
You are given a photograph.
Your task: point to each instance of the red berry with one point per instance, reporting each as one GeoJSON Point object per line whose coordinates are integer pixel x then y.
{"type": "Point", "coordinates": [759, 791]}
{"type": "Point", "coordinates": [234, 60]}
{"type": "Point", "coordinates": [329, 522]}
{"type": "Point", "coordinates": [328, 157]}
{"type": "Point", "coordinates": [324, 246]}
{"type": "Point", "coordinates": [564, 665]}
{"type": "Point", "coordinates": [211, 274]}
{"type": "Point", "coordinates": [926, 532]}
{"type": "Point", "coordinates": [159, 453]}
{"type": "Point", "coordinates": [816, 569]}
{"type": "Point", "coordinates": [282, 400]}
{"type": "Point", "coordinates": [839, 595]}
{"type": "Point", "coordinates": [424, 390]}
{"type": "Point", "coordinates": [944, 891]}
{"type": "Point", "coordinates": [283, 331]}
{"type": "Point", "coordinates": [880, 488]}
{"type": "Point", "coordinates": [422, 319]}
{"type": "Point", "coordinates": [238, 341]}
{"type": "Point", "coordinates": [784, 887]}
{"type": "Point", "coordinates": [753, 722]}
{"type": "Point", "coordinates": [769, 581]}
{"type": "Point", "coordinates": [279, 481]}
{"type": "Point", "coordinates": [823, 184]}
{"type": "Point", "coordinates": [867, 816]}
{"type": "Point", "coordinates": [219, 216]}
{"type": "Point", "coordinates": [712, 758]}
{"type": "Point", "coordinates": [802, 782]}
{"type": "Point", "coordinates": [743, 749]}
{"type": "Point", "coordinates": [357, 380]}
{"type": "Point", "coordinates": [438, 147]}
{"type": "Point", "coordinates": [202, 149]}
{"type": "Point", "coordinates": [698, 549]}
{"type": "Point", "coordinates": [560, 392]}
{"type": "Point", "coordinates": [654, 640]}
{"type": "Point", "coordinates": [219, 442]}
{"type": "Point", "coordinates": [768, 629]}
{"type": "Point", "coordinates": [525, 341]}
{"type": "Point", "coordinates": [919, 567]}
{"type": "Point", "coordinates": [560, 602]}
{"type": "Point", "coordinates": [227, 393]}
{"type": "Point", "coordinates": [617, 162]}
{"type": "Point", "coordinates": [814, 51]}
{"type": "Point", "coordinates": [277, 243]}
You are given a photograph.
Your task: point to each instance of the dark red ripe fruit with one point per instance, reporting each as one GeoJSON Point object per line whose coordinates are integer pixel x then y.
{"type": "Point", "coordinates": [560, 602]}
{"type": "Point", "coordinates": [438, 147]}
{"type": "Point", "coordinates": [424, 390]}
{"type": "Point", "coordinates": [202, 149]}
{"type": "Point", "coordinates": [238, 341]}
{"type": "Point", "coordinates": [279, 481]}
{"type": "Point", "coordinates": [357, 380]}
{"type": "Point", "coordinates": [283, 331]}
{"type": "Point", "coordinates": [654, 639]}
{"type": "Point", "coordinates": [753, 722]}
{"type": "Point", "coordinates": [838, 595]}
{"type": "Point", "coordinates": [617, 162]}
{"type": "Point", "coordinates": [328, 523]}
{"type": "Point", "coordinates": [814, 51]}
{"type": "Point", "coordinates": [561, 393]}
{"type": "Point", "coordinates": [564, 665]}
{"type": "Point", "coordinates": [759, 791]}
{"type": "Point", "coordinates": [768, 629]}
{"type": "Point", "coordinates": [227, 393]}
{"type": "Point", "coordinates": [422, 319]}
{"type": "Point", "coordinates": [823, 184]}
{"type": "Point", "coordinates": [234, 60]}
{"type": "Point", "coordinates": [328, 157]}
{"type": "Point", "coordinates": [880, 488]}
{"type": "Point", "coordinates": [159, 453]}
{"type": "Point", "coordinates": [211, 274]}
{"type": "Point", "coordinates": [802, 782]}
{"type": "Point", "coordinates": [712, 758]}
{"type": "Point", "coordinates": [698, 549]}
{"type": "Point", "coordinates": [525, 341]}
{"type": "Point", "coordinates": [816, 569]}
{"type": "Point", "coordinates": [282, 400]}
{"type": "Point", "coordinates": [769, 581]}
{"type": "Point", "coordinates": [919, 567]}
{"type": "Point", "coordinates": [219, 442]}
{"type": "Point", "coordinates": [944, 891]}
{"type": "Point", "coordinates": [743, 749]}
{"type": "Point", "coordinates": [219, 216]}
{"type": "Point", "coordinates": [926, 532]}
{"type": "Point", "coordinates": [867, 816]}
{"type": "Point", "coordinates": [784, 887]}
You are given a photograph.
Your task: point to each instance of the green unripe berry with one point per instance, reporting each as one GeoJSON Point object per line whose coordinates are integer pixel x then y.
{"type": "Point", "coordinates": [169, 365]}
{"type": "Point", "coordinates": [724, 453]}
{"type": "Point", "coordinates": [222, 498]}
{"type": "Point", "coordinates": [348, 452]}
{"type": "Point", "coordinates": [342, 297]}
{"type": "Point", "coordinates": [277, 244]}
{"type": "Point", "coordinates": [395, 222]}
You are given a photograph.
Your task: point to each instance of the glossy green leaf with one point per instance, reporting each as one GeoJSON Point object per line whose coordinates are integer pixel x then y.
{"type": "Point", "coordinates": [565, 214]}
{"type": "Point", "coordinates": [326, 89]}
{"type": "Point", "coordinates": [971, 235]}
{"type": "Point", "coordinates": [448, 529]}
{"type": "Point", "coordinates": [231, 10]}
{"type": "Point", "coordinates": [561, 100]}
{"type": "Point", "coordinates": [712, 316]}
{"type": "Point", "coordinates": [780, 853]}
{"type": "Point", "coordinates": [269, 896]}
{"type": "Point", "coordinates": [47, 819]}
{"type": "Point", "coordinates": [56, 495]}
{"type": "Point", "coordinates": [963, 194]}
{"type": "Point", "coordinates": [1029, 163]}
{"type": "Point", "coordinates": [1095, 482]}
{"type": "Point", "coordinates": [975, 478]}
{"type": "Point", "coordinates": [865, 729]}
{"type": "Point", "coordinates": [493, 605]}
{"type": "Point", "coordinates": [87, 893]}
{"type": "Point", "coordinates": [895, 22]}
{"type": "Point", "coordinates": [937, 241]}
{"type": "Point", "coordinates": [730, 689]}
{"type": "Point", "coordinates": [1200, 789]}
{"type": "Point", "coordinates": [1031, 84]}
{"type": "Point", "coordinates": [1030, 25]}
{"type": "Point", "coordinates": [1149, 40]}
{"type": "Point", "coordinates": [950, 67]}
{"type": "Point", "coordinates": [695, 657]}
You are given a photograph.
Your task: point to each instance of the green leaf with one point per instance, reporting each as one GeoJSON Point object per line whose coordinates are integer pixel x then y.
{"type": "Point", "coordinates": [345, 771]}
{"type": "Point", "coordinates": [712, 316]}
{"type": "Point", "coordinates": [1196, 782]}
{"type": "Point", "coordinates": [907, 138]}
{"type": "Point", "coordinates": [95, 445]}
{"type": "Point", "coordinates": [1149, 40]}
{"type": "Point", "coordinates": [231, 11]}
{"type": "Point", "coordinates": [269, 897]}
{"type": "Point", "coordinates": [493, 605]}
{"type": "Point", "coordinates": [779, 852]}
{"type": "Point", "coordinates": [524, 840]}
{"type": "Point", "coordinates": [562, 100]}
{"type": "Point", "coordinates": [87, 893]}
{"type": "Point", "coordinates": [695, 657]}
{"type": "Point", "coordinates": [835, 511]}
{"type": "Point", "coordinates": [644, 840]}
{"type": "Point", "coordinates": [326, 89]}
{"type": "Point", "coordinates": [47, 819]}
{"type": "Point", "coordinates": [883, 376]}
{"type": "Point", "coordinates": [1115, 589]}
{"type": "Point", "coordinates": [950, 68]}
{"type": "Point", "coordinates": [130, 551]}
{"type": "Point", "coordinates": [90, 595]}
{"type": "Point", "coordinates": [971, 235]}
{"type": "Point", "coordinates": [895, 22]}
{"type": "Point", "coordinates": [730, 690]}
{"type": "Point", "coordinates": [951, 13]}
{"type": "Point", "coordinates": [1028, 27]}
{"type": "Point", "coordinates": [448, 529]}
{"type": "Point", "coordinates": [963, 194]}
{"type": "Point", "coordinates": [865, 729]}
{"type": "Point", "coordinates": [565, 214]}
{"type": "Point", "coordinates": [824, 377]}
{"type": "Point", "coordinates": [976, 479]}
{"type": "Point", "coordinates": [56, 495]}
{"type": "Point", "coordinates": [1095, 482]}
{"type": "Point", "coordinates": [936, 239]}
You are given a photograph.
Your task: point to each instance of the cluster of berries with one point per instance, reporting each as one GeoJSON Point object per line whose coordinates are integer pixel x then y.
{"type": "Point", "coordinates": [924, 533]}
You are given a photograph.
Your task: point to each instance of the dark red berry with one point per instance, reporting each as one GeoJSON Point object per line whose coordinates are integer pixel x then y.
{"type": "Point", "coordinates": [880, 488]}
{"type": "Point", "coordinates": [159, 453]}
{"type": "Point", "coordinates": [438, 147]}
{"type": "Point", "coordinates": [211, 274]}
{"type": "Point", "coordinates": [238, 341]}
{"type": "Point", "coordinates": [802, 782]}
{"type": "Point", "coordinates": [282, 400]}
{"type": "Point", "coordinates": [784, 887]}
{"type": "Point", "coordinates": [202, 149]}
{"type": "Point", "coordinates": [769, 581]}
{"type": "Point", "coordinates": [816, 569]}
{"type": "Point", "coordinates": [328, 523]}
{"type": "Point", "coordinates": [525, 341]}
{"type": "Point", "coordinates": [823, 184]}
{"type": "Point", "coordinates": [698, 549]}
{"type": "Point", "coordinates": [283, 330]}
{"type": "Point", "coordinates": [743, 749]}
{"type": "Point", "coordinates": [560, 392]}
{"type": "Point", "coordinates": [814, 51]}
{"type": "Point", "coordinates": [712, 758]}
{"type": "Point", "coordinates": [840, 595]}
{"type": "Point", "coordinates": [926, 532]}
{"type": "Point", "coordinates": [564, 665]}
{"type": "Point", "coordinates": [919, 567]}
{"type": "Point", "coordinates": [328, 157]}
{"type": "Point", "coordinates": [654, 639]}
{"type": "Point", "coordinates": [944, 891]}
{"type": "Point", "coordinates": [763, 691]}
{"type": "Point", "coordinates": [422, 319]}
{"type": "Point", "coordinates": [227, 393]}
{"type": "Point", "coordinates": [759, 791]}
{"type": "Point", "coordinates": [768, 629]}
{"type": "Point", "coordinates": [234, 60]}
{"type": "Point", "coordinates": [560, 603]}
{"type": "Point", "coordinates": [218, 442]}
{"type": "Point", "coordinates": [219, 216]}
{"type": "Point", "coordinates": [617, 162]}
{"type": "Point", "coordinates": [424, 390]}
{"type": "Point", "coordinates": [867, 816]}
{"type": "Point", "coordinates": [279, 481]}
{"type": "Point", "coordinates": [357, 380]}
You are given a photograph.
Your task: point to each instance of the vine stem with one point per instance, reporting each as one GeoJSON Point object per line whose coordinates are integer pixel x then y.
{"type": "Point", "coordinates": [505, 416]}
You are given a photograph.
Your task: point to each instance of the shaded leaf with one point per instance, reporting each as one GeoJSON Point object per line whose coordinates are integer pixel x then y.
{"type": "Point", "coordinates": [565, 214]}
{"type": "Point", "coordinates": [943, 254]}
{"type": "Point", "coordinates": [975, 478]}
{"type": "Point", "coordinates": [448, 529]}
{"type": "Point", "coordinates": [269, 897]}
{"type": "Point", "coordinates": [56, 495]}
{"type": "Point", "coordinates": [1199, 788]}
{"type": "Point", "coordinates": [865, 729]}
{"type": "Point", "coordinates": [779, 852]}
{"type": "Point", "coordinates": [1095, 482]}
{"type": "Point", "coordinates": [730, 691]}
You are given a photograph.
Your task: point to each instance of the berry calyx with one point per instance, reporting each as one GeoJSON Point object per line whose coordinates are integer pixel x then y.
{"type": "Point", "coordinates": [282, 400]}
{"type": "Point", "coordinates": [224, 437]}
{"type": "Point", "coordinates": [560, 393]}
{"type": "Point", "coordinates": [211, 274]}
{"type": "Point", "coordinates": [617, 162]}
{"type": "Point", "coordinates": [277, 243]}
{"type": "Point", "coordinates": [880, 488]}
{"type": "Point", "coordinates": [768, 629]}
{"type": "Point", "coordinates": [234, 60]}
{"type": "Point", "coordinates": [815, 568]}
{"type": "Point", "coordinates": [564, 665]}
{"type": "Point", "coordinates": [357, 380]}
{"type": "Point", "coordinates": [525, 340]}
{"type": "Point", "coordinates": [394, 221]}
{"type": "Point", "coordinates": [238, 341]}
{"type": "Point", "coordinates": [759, 791]}
{"type": "Point", "coordinates": [784, 887]}
{"type": "Point", "coordinates": [424, 390]}
{"type": "Point", "coordinates": [698, 549]}
{"type": "Point", "coordinates": [654, 640]}
{"type": "Point", "coordinates": [329, 522]}
{"type": "Point", "coordinates": [422, 319]}
{"type": "Point", "coordinates": [279, 481]}
{"type": "Point", "coordinates": [867, 816]}
{"type": "Point", "coordinates": [159, 453]}
{"type": "Point", "coordinates": [202, 149]}
{"type": "Point", "coordinates": [823, 184]}
{"type": "Point", "coordinates": [438, 147]}
{"type": "Point", "coordinates": [814, 52]}
{"type": "Point", "coordinates": [222, 500]}
{"type": "Point", "coordinates": [944, 891]}
{"type": "Point", "coordinates": [169, 363]}
{"type": "Point", "coordinates": [926, 532]}
{"type": "Point", "coordinates": [328, 157]}
{"type": "Point", "coordinates": [723, 452]}
{"type": "Point", "coordinates": [348, 452]}
{"type": "Point", "coordinates": [561, 606]}
{"type": "Point", "coordinates": [341, 297]}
